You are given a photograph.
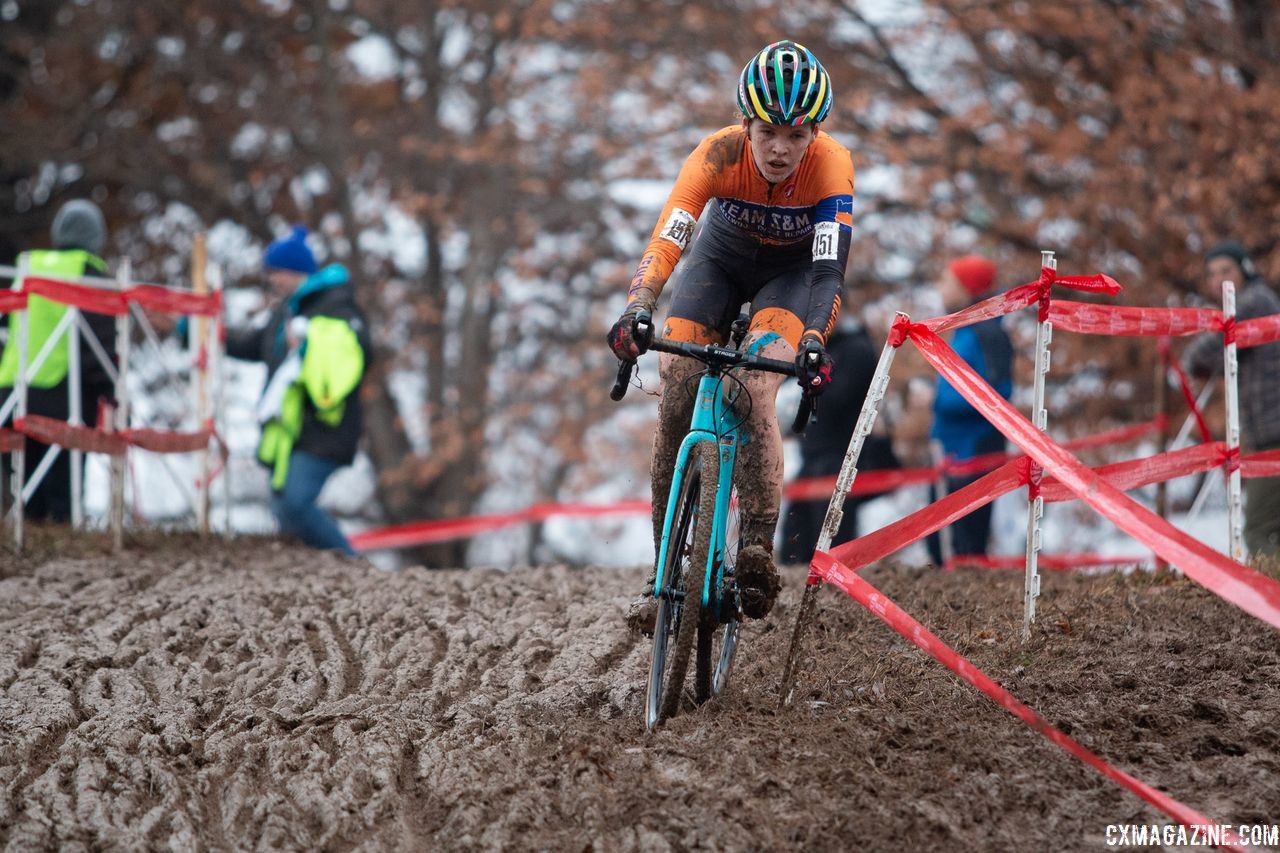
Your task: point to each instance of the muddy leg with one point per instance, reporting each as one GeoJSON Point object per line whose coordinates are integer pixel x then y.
{"type": "Point", "coordinates": [759, 480]}
{"type": "Point", "coordinates": [759, 469]}
{"type": "Point", "coordinates": [674, 411]}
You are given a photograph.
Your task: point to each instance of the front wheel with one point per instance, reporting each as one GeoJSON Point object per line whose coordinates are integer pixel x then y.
{"type": "Point", "coordinates": [714, 659]}
{"type": "Point", "coordinates": [683, 572]}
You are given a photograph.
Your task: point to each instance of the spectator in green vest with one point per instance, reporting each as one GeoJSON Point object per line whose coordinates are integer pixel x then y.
{"type": "Point", "coordinates": [314, 341]}
{"type": "Point", "coordinates": [78, 235]}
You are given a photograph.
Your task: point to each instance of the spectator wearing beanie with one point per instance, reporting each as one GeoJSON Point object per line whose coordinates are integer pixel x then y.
{"type": "Point", "coordinates": [78, 235]}
{"type": "Point", "coordinates": [1259, 381]}
{"type": "Point", "coordinates": [314, 342]}
{"type": "Point", "coordinates": [960, 429]}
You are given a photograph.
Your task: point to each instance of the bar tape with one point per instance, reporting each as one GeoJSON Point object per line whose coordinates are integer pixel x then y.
{"type": "Point", "coordinates": [861, 591]}
{"type": "Point", "coordinates": [1238, 584]}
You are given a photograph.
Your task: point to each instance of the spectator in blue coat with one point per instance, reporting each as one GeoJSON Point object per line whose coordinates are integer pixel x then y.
{"type": "Point", "coordinates": [961, 430]}
{"type": "Point", "coordinates": [314, 341]}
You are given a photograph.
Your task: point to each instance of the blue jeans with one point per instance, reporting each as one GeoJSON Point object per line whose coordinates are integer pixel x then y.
{"type": "Point", "coordinates": [295, 507]}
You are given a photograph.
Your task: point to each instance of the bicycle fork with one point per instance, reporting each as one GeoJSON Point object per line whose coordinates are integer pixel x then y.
{"type": "Point", "coordinates": [711, 411]}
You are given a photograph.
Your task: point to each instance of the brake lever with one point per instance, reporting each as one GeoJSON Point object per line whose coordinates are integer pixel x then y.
{"type": "Point", "coordinates": [805, 413]}
{"type": "Point", "coordinates": [624, 379]}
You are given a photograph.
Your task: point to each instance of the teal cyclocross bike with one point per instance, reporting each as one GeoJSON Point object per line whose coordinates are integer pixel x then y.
{"type": "Point", "coordinates": [694, 581]}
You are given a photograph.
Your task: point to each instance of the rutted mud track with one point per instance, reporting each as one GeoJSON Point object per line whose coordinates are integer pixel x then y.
{"type": "Point", "coordinates": [243, 695]}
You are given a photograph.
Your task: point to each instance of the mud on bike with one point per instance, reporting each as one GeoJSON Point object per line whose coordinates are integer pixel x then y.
{"type": "Point", "coordinates": [694, 582]}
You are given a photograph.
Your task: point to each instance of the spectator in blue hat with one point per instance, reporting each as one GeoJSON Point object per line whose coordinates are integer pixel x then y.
{"type": "Point", "coordinates": [315, 343]}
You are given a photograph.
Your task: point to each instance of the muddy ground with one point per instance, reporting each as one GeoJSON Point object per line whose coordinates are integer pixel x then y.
{"type": "Point", "coordinates": [246, 695]}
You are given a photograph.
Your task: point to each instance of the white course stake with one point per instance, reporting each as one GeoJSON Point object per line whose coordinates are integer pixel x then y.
{"type": "Point", "coordinates": [121, 413]}
{"type": "Point", "coordinates": [835, 509]}
{"type": "Point", "coordinates": [75, 414]}
{"type": "Point", "coordinates": [1035, 506]}
{"type": "Point", "coordinates": [200, 350]}
{"type": "Point", "coordinates": [1235, 516]}
{"type": "Point", "coordinates": [20, 387]}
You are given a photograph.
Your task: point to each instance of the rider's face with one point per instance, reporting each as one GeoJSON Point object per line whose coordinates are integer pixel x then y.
{"type": "Point", "coordinates": [778, 150]}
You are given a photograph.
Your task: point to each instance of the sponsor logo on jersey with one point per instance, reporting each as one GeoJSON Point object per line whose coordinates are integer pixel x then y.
{"type": "Point", "coordinates": [780, 224]}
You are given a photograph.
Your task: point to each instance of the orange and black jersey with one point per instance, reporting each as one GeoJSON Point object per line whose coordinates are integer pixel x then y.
{"type": "Point", "coordinates": [814, 206]}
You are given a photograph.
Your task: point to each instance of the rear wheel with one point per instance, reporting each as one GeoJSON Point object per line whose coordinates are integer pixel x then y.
{"type": "Point", "coordinates": [681, 596]}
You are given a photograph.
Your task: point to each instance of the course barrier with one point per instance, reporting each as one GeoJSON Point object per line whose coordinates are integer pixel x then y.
{"type": "Point", "coordinates": [829, 568]}
{"type": "Point", "coordinates": [1071, 316]}
{"type": "Point", "coordinates": [1067, 477]}
{"type": "Point", "coordinates": [125, 301]}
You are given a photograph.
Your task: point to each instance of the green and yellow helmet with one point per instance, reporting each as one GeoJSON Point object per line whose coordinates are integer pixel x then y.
{"type": "Point", "coordinates": [785, 84]}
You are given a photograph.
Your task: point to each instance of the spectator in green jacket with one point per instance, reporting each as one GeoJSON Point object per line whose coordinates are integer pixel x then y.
{"type": "Point", "coordinates": [78, 234]}
{"type": "Point", "coordinates": [314, 341]}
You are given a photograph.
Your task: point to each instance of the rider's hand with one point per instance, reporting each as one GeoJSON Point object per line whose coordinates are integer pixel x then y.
{"type": "Point", "coordinates": [633, 332]}
{"type": "Point", "coordinates": [813, 365]}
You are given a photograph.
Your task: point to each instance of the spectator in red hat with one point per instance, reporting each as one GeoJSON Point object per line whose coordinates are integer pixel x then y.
{"type": "Point", "coordinates": [959, 428]}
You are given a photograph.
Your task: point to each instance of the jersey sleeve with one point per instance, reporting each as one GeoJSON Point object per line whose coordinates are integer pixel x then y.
{"type": "Point", "coordinates": [832, 235]}
{"type": "Point", "coordinates": [694, 187]}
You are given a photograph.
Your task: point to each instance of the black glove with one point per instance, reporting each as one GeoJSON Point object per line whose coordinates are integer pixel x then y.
{"type": "Point", "coordinates": [813, 365]}
{"type": "Point", "coordinates": [633, 332]}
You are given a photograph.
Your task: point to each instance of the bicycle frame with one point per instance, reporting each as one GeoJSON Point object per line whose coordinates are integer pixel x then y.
{"type": "Point", "coordinates": [713, 421]}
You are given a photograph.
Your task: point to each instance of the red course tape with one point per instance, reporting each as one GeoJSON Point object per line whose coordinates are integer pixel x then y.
{"type": "Point", "coordinates": [1092, 319]}
{"type": "Point", "coordinates": [1259, 330]}
{"type": "Point", "coordinates": [1252, 592]}
{"type": "Point", "coordinates": [836, 574]}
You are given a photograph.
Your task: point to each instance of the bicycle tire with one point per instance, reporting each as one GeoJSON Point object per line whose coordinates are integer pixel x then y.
{"type": "Point", "coordinates": [714, 661]}
{"type": "Point", "coordinates": [677, 622]}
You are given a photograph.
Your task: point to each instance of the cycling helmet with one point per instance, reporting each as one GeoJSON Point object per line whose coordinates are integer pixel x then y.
{"type": "Point", "coordinates": [785, 84]}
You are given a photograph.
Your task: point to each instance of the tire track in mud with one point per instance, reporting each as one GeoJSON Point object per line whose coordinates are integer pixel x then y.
{"type": "Point", "coordinates": [256, 696]}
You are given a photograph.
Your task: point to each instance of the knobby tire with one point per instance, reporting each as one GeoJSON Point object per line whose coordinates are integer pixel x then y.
{"type": "Point", "coordinates": [704, 463]}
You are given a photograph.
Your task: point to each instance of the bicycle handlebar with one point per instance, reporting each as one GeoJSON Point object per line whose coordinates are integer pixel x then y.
{"type": "Point", "coordinates": [713, 354]}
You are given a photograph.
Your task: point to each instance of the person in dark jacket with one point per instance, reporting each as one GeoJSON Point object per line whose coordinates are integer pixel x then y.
{"type": "Point", "coordinates": [78, 234]}
{"type": "Point", "coordinates": [1259, 384]}
{"type": "Point", "coordinates": [826, 440]}
{"type": "Point", "coordinates": [314, 342]}
{"type": "Point", "coordinates": [961, 429]}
